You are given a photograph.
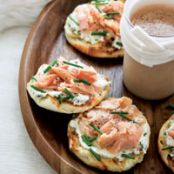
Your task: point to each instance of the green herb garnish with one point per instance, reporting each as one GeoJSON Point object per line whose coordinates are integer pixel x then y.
{"type": "Point", "coordinates": [96, 128]}
{"type": "Point", "coordinates": [145, 134]}
{"type": "Point", "coordinates": [72, 64]}
{"type": "Point", "coordinates": [127, 156]}
{"type": "Point", "coordinates": [68, 93]}
{"type": "Point", "coordinates": [55, 62]}
{"type": "Point", "coordinates": [99, 33]}
{"type": "Point", "coordinates": [88, 140]}
{"type": "Point", "coordinates": [62, 98]}
{"type": "Point", "coordinates": [122, 114]}
{"type": "Point", "coordinates": [168, 148]}
{"type": "Point", "coordinates": [109, 15]}
{"type": "Point", "coordinates": [50, 66]}
{"type": "Point", "coordinates": [119, 112]}
{"type": "Point", "coordinates": [82, 81]}
{"type": "Point", "coordinates": [74, 20]}
{"type": "Point", "coordinates": [141, 146]}
{"type": "Point", "coordinates": [99, 2]}
{"type": "Point", "coordinates": [125, 117]}
{"type": "Point", "coordinates": [33, 79]}
{"type": "Point", "coordinates": [118, 44]}
{"type": "Point", "coordinates": [38, 89]}
{"type": "Point", "coordinates": [47, 69]}
{"type": "Point", "coordinates": [113, 13]}
{"type": "Point", "coordinates": [97, 156]}
{"type": "Point", "coordinates": [98, 8]}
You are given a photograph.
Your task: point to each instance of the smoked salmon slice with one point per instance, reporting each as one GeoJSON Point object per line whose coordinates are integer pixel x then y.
{"type": "Point", "coordinates": [82, 88]}
{"type": "Point", "coordinates": [88, 73]}
{"type": "Point", "coordinates": [43, 81]}
{"type": "Point", "coordinates": [91, 18]}
{"type": "Point", "coordinates": [120, 136]}
{"type": "Point", "coordinates": [62, 73]}
{"type": "Point", "coordinates": [119, 132]}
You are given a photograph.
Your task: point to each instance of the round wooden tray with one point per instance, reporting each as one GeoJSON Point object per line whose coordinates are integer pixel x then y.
{"type": "Point", "coordinates": [48, 130]}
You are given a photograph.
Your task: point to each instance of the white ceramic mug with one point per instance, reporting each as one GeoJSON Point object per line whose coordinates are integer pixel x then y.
{"type": "Point", "coordinates": [148, 66]}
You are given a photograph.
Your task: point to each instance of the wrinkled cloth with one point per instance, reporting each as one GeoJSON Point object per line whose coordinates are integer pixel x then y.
{"type": "Point", "coordinates": [18, 155]}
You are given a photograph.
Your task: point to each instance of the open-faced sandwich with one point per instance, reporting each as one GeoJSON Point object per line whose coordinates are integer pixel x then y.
{"type": "Point", "coordinates": [94, 28]}
{"type": "Point", "coordinates": [166, 142]}
{"type": "Point", "coordinates": [68, 86]}
{"type": "Point", "coordinates": [113, 136]}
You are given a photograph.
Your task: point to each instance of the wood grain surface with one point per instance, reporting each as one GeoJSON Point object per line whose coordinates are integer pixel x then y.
{"type": "Point", "coordinates": [48, 130]}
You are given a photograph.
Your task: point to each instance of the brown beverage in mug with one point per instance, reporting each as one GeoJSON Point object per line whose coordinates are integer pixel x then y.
{"type": "Point", "coordinates": [158, 81]}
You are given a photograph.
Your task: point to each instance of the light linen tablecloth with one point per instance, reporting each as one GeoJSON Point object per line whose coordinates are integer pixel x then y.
{"type": "Point", "coordinates": [17, 153]}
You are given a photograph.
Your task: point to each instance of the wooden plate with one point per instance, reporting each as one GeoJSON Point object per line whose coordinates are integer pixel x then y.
{"type": "Point", "coordinates": [48, 130]}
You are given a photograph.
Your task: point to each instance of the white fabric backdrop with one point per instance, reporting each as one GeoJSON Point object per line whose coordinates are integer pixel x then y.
{"type": "Point", "coordinates": [17, 153]}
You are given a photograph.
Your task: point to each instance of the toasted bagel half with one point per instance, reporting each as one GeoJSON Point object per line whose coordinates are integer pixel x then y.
{"type": "Point", "coordinates": [68, 87]}
{"type": "Point", "coordinates": [113, 136]}
{"type": "Point", "coordinates": [166, 143]}
{"type": "Point", "coordinates": [94, 29]}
